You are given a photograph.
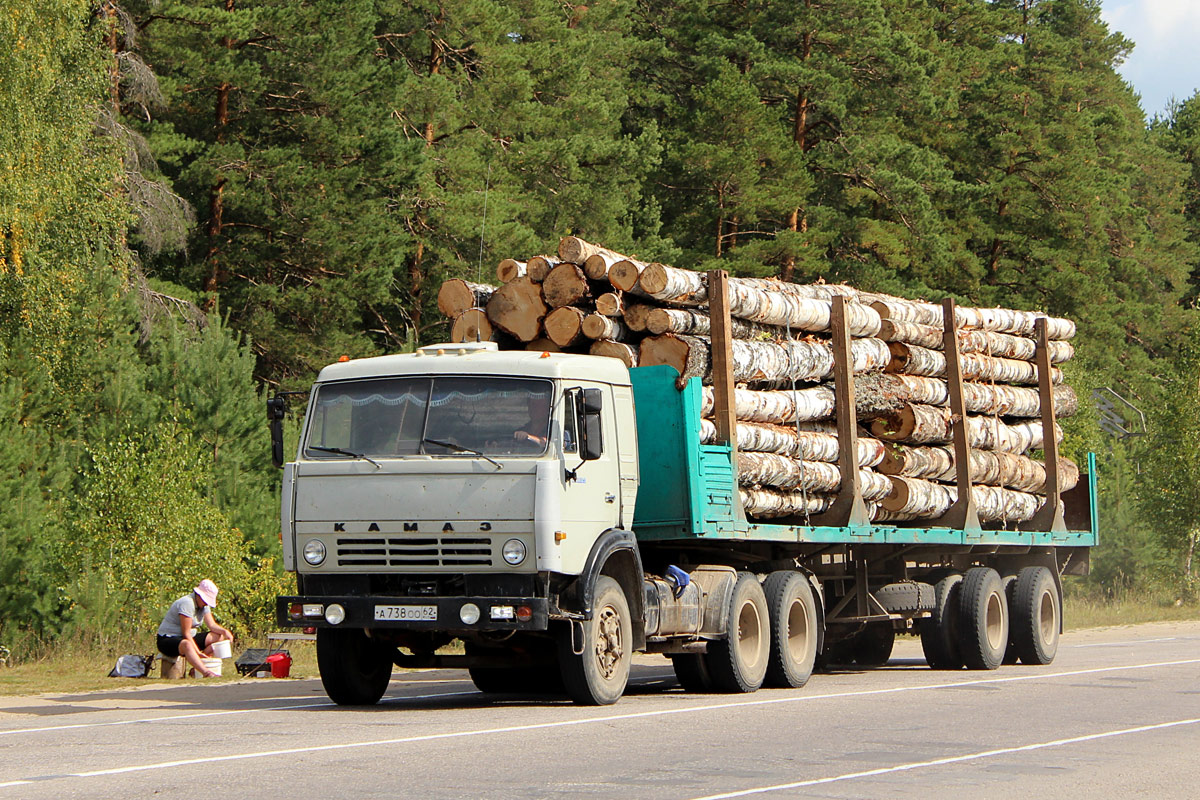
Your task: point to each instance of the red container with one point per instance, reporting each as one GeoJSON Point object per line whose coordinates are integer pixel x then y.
{"type": "Point", "coordinates": [281, 664]}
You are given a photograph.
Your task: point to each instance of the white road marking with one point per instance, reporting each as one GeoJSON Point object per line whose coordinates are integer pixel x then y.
{"type": "Point", "coordinates": [937, 762]}
{"type": "Point", "coordinates": [594, 720]}
{"type": "Point", "coordinates": [1132, 643]}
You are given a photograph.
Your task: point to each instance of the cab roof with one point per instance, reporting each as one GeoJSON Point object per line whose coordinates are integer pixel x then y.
{"type": "Point", "coordinates": [470, 359]}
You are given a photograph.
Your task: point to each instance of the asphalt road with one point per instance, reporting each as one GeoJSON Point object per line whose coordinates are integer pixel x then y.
{"type": "Point", "coordinates": [1116, 715]}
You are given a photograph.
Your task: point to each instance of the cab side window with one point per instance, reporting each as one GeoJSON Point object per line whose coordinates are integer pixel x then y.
{"type": "Point", "coordinates": [570, 433]}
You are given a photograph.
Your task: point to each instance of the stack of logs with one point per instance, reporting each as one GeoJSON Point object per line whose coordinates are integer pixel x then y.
{"type": "Point", "coordinates": [588, 299]}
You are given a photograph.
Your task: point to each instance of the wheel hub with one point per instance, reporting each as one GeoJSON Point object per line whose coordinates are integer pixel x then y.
{"type": "Point", "coordinates": [609, 651]}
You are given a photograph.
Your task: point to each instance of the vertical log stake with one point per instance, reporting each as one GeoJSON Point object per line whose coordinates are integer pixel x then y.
{"type": "Point", "coordinates": [848, 508]}
{"type": "Point", "coordinates": [1050, 516]}
{"type": "Point", "coordinates": [962, 514]}
{"type": "Point", "coordinates": [724, 410]}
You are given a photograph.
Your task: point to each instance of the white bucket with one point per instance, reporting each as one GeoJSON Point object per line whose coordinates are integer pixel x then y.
{"type": "Point", "coordinates": [222, 649]}
{"type": "Point", "coordinates": [212, 664]}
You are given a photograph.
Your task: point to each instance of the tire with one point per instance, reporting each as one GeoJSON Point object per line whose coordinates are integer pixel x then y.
{"type": "Point", "coordinates": [983, 619]}
{"type": "Point", "coordinates": [738, 663]}
{"type": "Point", "coordinates": [355, 670]}
{"type": "Point", "coordinates": [939, 632]}
{"type": "Point", "coordinates": [905, 597]}
{"type": "Point", "coordinates": [792, 613]}
{"type": "Point", "coordinates": [1010, 652]}
{"type": "Point", "coordinates": [872, 647]}
{"type": "Point", "coordinates": [692, 672]}
{"type": "Point", "coordinates": [598, 675]}
{"type": "Point", "coordinates": [1036, 616]}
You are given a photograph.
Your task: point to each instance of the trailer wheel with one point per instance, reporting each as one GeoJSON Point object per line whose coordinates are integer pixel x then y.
{"type": "Point", "coordinates": [692, 672]}
{"type": "Point", "coordinates": [793, 619]}
{"type": "Point", "coordinates": [983, 619]}
{"type": "Point", "coordinates": [1036, 616]}
{"type": "Point", "coordinates": [355, 669]}
{"type": "Point", "coordinates": [872, 646]}
{"type": "Point", "coordinates": [597, 676]}
{"type": "Point", "coordinates": [738, 663]}
{"type": "Point", "coordinates": [939, 632]}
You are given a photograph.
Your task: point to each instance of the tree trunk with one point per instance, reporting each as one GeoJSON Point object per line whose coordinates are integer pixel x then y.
{"type": "Point", "coordinates": [628, 353]}
{"type": "Point", "coordinates": [471, 326]}
{"type": "Point", "coordinates": [510, 269]}
{"type": "Point", "coordinates": [565, 285]}
{"type": "Point", "coordinates": [782, 472]}
{"type": "Point", "coordinates": [913, 498]}
{"type": "Point", "coordinates": [879, 393]}
{"type": "Point", "coordinates": [543, 345]}
{"type": "Point", "coordinates": [922, 424]}
{"type": "Point", "coordinates": [564, 326]}
{"type": "Point", "coordinates": [1001, 320]}
{"type": "Point", "coordinates": [598, 326]}
{"type": "Point", "coordinates": [538, 267]}
{"type": "Point", "coordinates": [624, 275]}
{"type": "Point", "coordinates": [769, 503]}
{"type": "Point", "coordinates": [457, 295]}
{"type": "Point", "coordinates": [610, 304]}
{"type": "Point", "coordinates": [781, 406]}
{"type": "Point", "coordinates": [787, 441]}
{"type": "Point", "coordinates": [991, 468]}
{"type": "Point", "coordinates": [598, 264]}
{"type": "Point", "coordinates": [687, 320]}
{"type": "Point", "coordinates": [636, 316]}
{"type": "Point", "coordinates": [517, 309]}
{"type": "Point", "coordinates": [1002, 345]}
{"type": "Point", "coordinates": [577, 251]}
{"type": "Point", "coordinates": [670, 285]}
{"type": "Point", "coordinates": [913, 360]}
{"type": "Point", "coordinates": [761, 362]}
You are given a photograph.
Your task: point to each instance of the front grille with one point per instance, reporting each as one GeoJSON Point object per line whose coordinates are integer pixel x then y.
{"type": "Point", "coordinates": [415, 551]}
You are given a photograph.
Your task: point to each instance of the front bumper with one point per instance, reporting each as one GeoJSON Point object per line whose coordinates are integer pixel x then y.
{"type": "Point", "coordinates": [360, 613]}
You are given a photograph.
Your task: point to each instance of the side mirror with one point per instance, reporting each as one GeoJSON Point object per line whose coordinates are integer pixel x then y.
{"type": "Point", "coordinates": [276, 410]}
{"type": "Point", "coordinates": [591, 443]}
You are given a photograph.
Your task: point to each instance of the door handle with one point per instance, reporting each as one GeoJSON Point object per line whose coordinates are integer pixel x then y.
{"type": "Point", "coordinates": [609, 497]}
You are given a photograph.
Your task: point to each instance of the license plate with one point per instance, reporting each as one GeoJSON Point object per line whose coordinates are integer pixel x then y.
{"type": "Point", "coordinates": [427, 613]}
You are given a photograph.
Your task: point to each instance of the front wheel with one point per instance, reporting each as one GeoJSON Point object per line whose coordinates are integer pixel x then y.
{"type": "Point", "coordinates": [355, 669]}
{"type": "Point", "coordinates": [598, 675]}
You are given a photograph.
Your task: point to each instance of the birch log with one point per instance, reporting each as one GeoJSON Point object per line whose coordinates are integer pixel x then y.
{"type": "Point", "coordinates": [782, 472]}
{"type": "Point", "coordinates": [564, 326]}
{"type": "Point", "coordinates": [597, 265]}
{"type": "Point", "coordinates": [471, 326]}
{"type": "Point", "coordinates": [510, 269]}
{"type": "Point", "coordinates": [768, 503]}
{"type": "Point", "coordinates": [624, 275]}
{"type": "Point", "coordinates": [1001, 320]}
{"type": "Point", "coordinates": [922, 424]}
{"type": "Point", "coordinates": [543, 345]}
{"type": "Point", "coordinates": [688, 320]}
{"type": "Point", "coordinates": [787, 441]}
{"type": "Point", "coordinates": [988, 343]}
{"type": "Point", "coordinates": [671, 285]}
{"type": "Point", "coordinates": [456, 296]}
{"type": "Point", "coordinates": [610, 304]}
{"type": "Point", "coordinates": [626, 352]}
{"type": "Point", "coordinates": [635, 317]}
{"type": "Point", "coordinates": [565, 285]}
{"type": "Point", "coordinates": [884, 392]}
{"type": "Point", "coordinates": [598, 326]}
{"type": "Point", "coordinates": [576, 250]}
{"type": "Point", "coordinates": [913, 498]}
{"type": "Point", "coordinates": [780, 406]}
{"type": "Point", "coordinates": [766, 362]}
{"type": "Point", "coordinates": [789, 311]}
{"type": "Point", "coordinates": [517, 309]}
{"type": "Point", "coordinates": [991, 468]}
{"type": "Point", "coordinates": [538, 267]}
{"type": "Point", "coordinates": [913, 360]}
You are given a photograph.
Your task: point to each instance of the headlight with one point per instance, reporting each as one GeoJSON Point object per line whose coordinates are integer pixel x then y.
{"type": "Point", "coordinates": [513, 551]}
{"type": "Point", "coordinates": [469, 613]}
{"type": "Point", "coordinates": [314, 551]}
{"type": "Point", "coordinates": [335, 614]}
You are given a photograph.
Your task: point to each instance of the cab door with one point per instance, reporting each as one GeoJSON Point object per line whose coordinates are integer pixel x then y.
{"type": "Point", "coordinates": [592, 489]}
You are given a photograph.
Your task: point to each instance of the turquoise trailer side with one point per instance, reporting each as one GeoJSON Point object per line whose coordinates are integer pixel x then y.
{"type": "Point", "coordinates": [688, 489]}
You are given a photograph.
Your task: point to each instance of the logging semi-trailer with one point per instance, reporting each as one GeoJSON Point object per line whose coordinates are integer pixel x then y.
{"type": "Point", "coordinates": [538, 518]}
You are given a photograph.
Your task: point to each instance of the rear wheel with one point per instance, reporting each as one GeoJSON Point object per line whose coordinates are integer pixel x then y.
{"type": "Point", "coordinates": [939, 631]}
{"type": "Point", "coordinates": [355, 669]}
{"type": "Point", "coordinates": [597, 676]}
{"type": "Point", "coordinates": [1036, 616]}
{"type": "Point", "coordinates": [738, 663]}
{"type": "Point", "coordinates": [692, 672]}
{"type": "Point", "coordinates": [793, 619]}
{"type": "Point", "coordinates": [983, 619]}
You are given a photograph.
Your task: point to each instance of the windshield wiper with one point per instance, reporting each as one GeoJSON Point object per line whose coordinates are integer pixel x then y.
{"type": "Point", "coordinates": [458, 448]}
{"type": "Point", "coordinates": [342, 452]}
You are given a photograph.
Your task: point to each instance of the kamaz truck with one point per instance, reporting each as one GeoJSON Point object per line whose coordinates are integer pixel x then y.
{"type": "Point", "coordinates": [538, 518]}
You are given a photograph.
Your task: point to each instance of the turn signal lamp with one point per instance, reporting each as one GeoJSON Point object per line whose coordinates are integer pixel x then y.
{"type": "Point", "coordinates": [343, 359]}
{"type": "Point", "coordinates": [524, 613]}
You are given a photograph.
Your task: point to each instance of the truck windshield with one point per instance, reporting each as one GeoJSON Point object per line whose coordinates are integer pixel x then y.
{"type": "Point", "coordinates": [390, 417]}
